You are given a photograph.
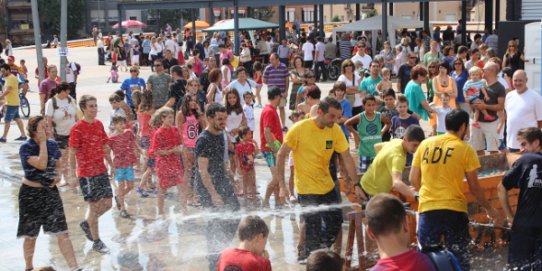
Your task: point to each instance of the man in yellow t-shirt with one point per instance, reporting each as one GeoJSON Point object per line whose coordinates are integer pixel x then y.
{"type": "Point", "coordinates": [313, 142]}
{"type": "Point", "coordinates": [440, 164]}
{"type": "Point", "coordinates": [386, 172]}
{"type": "Point", "coordinates": [11, 94]}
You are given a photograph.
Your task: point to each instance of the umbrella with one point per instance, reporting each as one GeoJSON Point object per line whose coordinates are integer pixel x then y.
{"type": "Point", "coordinates": [244, 24]}
{"type": "Point", "coordinates": [130, 23]}
{"type": "Point", "coordinates": [199, 24]}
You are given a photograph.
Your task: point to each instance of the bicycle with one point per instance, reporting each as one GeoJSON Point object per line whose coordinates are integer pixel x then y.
{"type": "Point", "coordinates": [24, 105]}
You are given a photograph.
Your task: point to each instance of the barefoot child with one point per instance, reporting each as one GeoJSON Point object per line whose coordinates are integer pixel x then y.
{"type": "Point", "coordinates": [475, 89]}
{"type": "Point", "coordinates": [114, 76]}
{"type": "Point", "coordinates": [124, 147]}
{"type": "Point", "coordinates": [144, 113]}
{"type": "Point", "coordinates": [389, 109]}
{"type": "Point", "coordinates": [166, 148]}
{"type": "Point", "coordinates": [258, 78]}
{"type": "Point", "coordinates": [189, 122]}
{"type": "Point", "coordinates": [386, 83]}
{"type": "Point", "coordinates": [245, 151]}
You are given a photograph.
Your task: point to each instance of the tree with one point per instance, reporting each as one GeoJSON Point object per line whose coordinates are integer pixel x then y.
{"type": "Point", "coordinates": [336, 19]}
{"type": "Point", "coordinates": [50, 17]}
{"type": "Point", "coordinates": [263, 13]}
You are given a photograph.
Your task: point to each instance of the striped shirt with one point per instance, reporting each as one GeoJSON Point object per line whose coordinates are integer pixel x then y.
{"type": "Point", "coordinates": [345, 49]}
{"type": "Point", "coordinates": [276, 76]}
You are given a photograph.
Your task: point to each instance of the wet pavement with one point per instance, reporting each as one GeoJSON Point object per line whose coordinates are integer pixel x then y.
{"type": "Point", "coordinates": [142, 242]}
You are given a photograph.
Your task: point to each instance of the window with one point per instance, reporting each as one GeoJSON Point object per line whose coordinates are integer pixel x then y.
{"type": "Point", "coordinates": [290, 14]}
{"type": "Point", "coordinates": [451, 17]}
{"type": "Point", "coordinates": [308, 14]}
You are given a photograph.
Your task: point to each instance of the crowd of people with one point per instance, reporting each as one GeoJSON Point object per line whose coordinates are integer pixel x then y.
{"type": "Point", "coordinates": [191, 124]}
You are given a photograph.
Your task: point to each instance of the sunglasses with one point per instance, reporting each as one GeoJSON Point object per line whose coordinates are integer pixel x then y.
{"type": "Point", "coordinates": [193, 85]}
{"type": "Point", "coordinates": [158, 65]}
{"type": "Point", "coordinates": [133, 71]}
{"type": "Point", "coordinates": [413, 57]}
{"type": "Point", "coordinates": [458, 63]}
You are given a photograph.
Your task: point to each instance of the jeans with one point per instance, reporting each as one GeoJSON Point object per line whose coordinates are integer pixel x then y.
{"type": "Point", "coordinates": [432, 225]}
{"type": "Point", "coordinates": [320, 69]}
{"type": "Point", "coordinates": [321, 227]}
{"type": "Point", "coordinates": [525, 251]}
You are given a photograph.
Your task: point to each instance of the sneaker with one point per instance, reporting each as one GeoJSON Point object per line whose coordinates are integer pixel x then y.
{"type": "Point", "coordinates": [86, 228]}
{"type": "Point", "coordinates": [21, 138]}
{"type": "Point", "coordinates": [124, 214]}
{"type": "Point", "coordinates": [117, 202]}
{"type": "Point", "coordinates": [100, 247]}
{"type": "Point", "coordinates": [142, 192]}
{"type": "Point", "coordinates": [3, 139]}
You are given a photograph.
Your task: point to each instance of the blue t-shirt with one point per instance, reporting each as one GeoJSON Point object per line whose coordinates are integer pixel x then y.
{"type": "Point", "coordinates": [31, 148]}
{"type": "Point", "coordinates": [127, 87]}
{"type": "Point", "coordinates": [460, 82]}
{"type": "Point", "coordinates": [347, 112]}
{"type": "Point", "coordinates": [399, 125]}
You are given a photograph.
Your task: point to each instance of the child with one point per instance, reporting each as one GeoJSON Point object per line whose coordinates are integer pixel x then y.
{"type": "Point", "coordinates": [55, 41]}
{"type": "Point", "coordinates": [123, 145]}
{"type": "Point", "coordinates": [360, 69]}
{"type": "Point", "coordinates": [312, 98]}
{"type": "Point", "coordinates": [310, 80]}
{"type": "Point", "coordinates": [403, 119]}
{"type": "Point", "coordinates": [166, 147]}
{"type": "Point", "coordinates": [388, 109]}
{"type": "Point", "coordinates": [369, 131]}
{"type": "Point", "coordinates": [124, 106]}
{"type": "Point", "coordinates": [226, 73]}
{"type": "Point", "coordinates": [441, 114]}
{"type": "Point", "coordinates": [114, 77]}
{"type": "Point", "coordinates": [251, 254]}
{"type": "Point", "coordinates": [189, 121]}
{"type": "Point", "coordinates": [115, 102]}
{"type": "Point", "coordinates": [248, 108]}
{"type": "Point", "coordinates": [236, 119]}
{"type": "Point", "coordinates": [386, 83]}
{"type": "Point", "coordinates": [475, 89]}
{"type": "Point", "coordinates": [339, 91]}
{"type": "Point", "coordinates": [324, 260]}
{"type": "Point", "coordinates": [23, 70]}
{"type": "Point", "coordinates": [144, 114]}
{"type": "Point", "coordinates": [258, 78]}
{"type": "Point", "coordinates": [245, 151]}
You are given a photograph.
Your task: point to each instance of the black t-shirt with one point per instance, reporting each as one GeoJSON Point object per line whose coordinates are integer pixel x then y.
{"type": "Point", "coordinates": [212, 147]}
{"type": "Point", "coordinates": [494, 92]}
{"type": "Point", "coordinates": [404, 76]}
{"type": "Point", "coordinates": [168, 63]}
{"type": "Point", "coordinates": [204, 80]}
{"type": "Point", "coordinates": [177, 90]}
{"type": "Point", "coordinates": [526, 174]}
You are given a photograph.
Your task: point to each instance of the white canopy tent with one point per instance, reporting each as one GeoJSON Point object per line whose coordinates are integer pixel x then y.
{"type": "Point", "coordinates": [375, 23]}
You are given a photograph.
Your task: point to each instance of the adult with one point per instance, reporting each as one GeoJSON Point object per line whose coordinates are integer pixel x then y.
{"type": "Point", "coordinates": [177, 89]}
{"type": "Point", "coordinates": [330, 49]}
{"type": "Point", "coordinates": [345, 47]}
{"type": "Point", "coordinates": [200, 48]}
{"type": "Point", "coordinates": [313, 181]}
{"type": "Point", "coordinates": [523, 107]}
{"type": "Point", "coordinates": [444, 83]}
{"type": "Point", "coordinates": [40, 204]}
{"type": "Point", "coordinates": [158, 83]}
{"type": "Point", "coordinates": [168, 61]}
{"type": "Point", "coordinates": [88, 147]}
{"type": "Point", "coordinates": [215, 93]}
{"type": "Point", "coordinates": [171, 45]}
{"type": "Point", "coordinates": [242, 84]}
{"type": "Point", "coordinates": [487, 137]}
{"type": "Point", "coordinates": [72, 74]}
{"type": "Point", "coordinates": [101, 52]}
{"type": "Point", "coordinates": [270, 135]}
{"type": "Point", "coordinates": [132, 84]}
{"type": "Point", "coordinates": [156, 50]}
{"type": "Point", "coordinates": [474, 60]}
{"type": "Point", "coordinates": [226, 53]}
{"type": "Point", "coordinates": [308, 53]}
{"type": "Point", "coordinates": [204, 78]}
{"type": "Point", "coordinates": [263, 50]}
{"type": "Point", "coordinates": [213, 183]}
{"type": "Point", "coordinates": [276, 74]}
{"type": "Point", "coordinates": [362, 56]}
{"type": "Point", "coordinates": [245, 58]}
{"type": "Point", "coordinates": [404, 72]}
{"type": "Point", "coordinates": [352, 80]}
{"type": "Point", "coordinates": [438, 170]}
{"type": "Point", "coordinates": [297, 77]}
{"type": "Point", "coordinates": [47, 86]}
{"type": "Point", "coordinates": [513, 58]}
{"type": "Point", "coordinates": [448, 35]}
{"type": "Point", "coordinates": [417, 101]}
{"type": "Point", "coordinates": [284, 53]}
{"type": "Point", "coordinates": [460, 76]}
{"type": "Point", "coordinates": [525, 249]}
{"type": "Point", "coordinates": [319, 58]}
{"type": "Point", "coordinates": [433, 54]}
{"type": "Point", "coordinates": [61, 116]}
{"type": "Point", "coordinates": [368, 84]}
{"type": "Point", "coordinates": [146, 45]}
{"type": "Point", "coordinates": [492, 41]}
{"type": "Point", "coordinates": [11, 95]}
{"type": "Point", "coordinates": [477, 42]}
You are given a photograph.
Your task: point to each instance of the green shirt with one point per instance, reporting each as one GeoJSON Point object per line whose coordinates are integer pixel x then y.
{"type": "Point", "coordinates": [369, 85]}
{"type": "Point", "coordinates": [370, 132]}
{"type": "Point", "coordinates": [378, 178]}
{"type": "Point", "coordinates": [415, 97]}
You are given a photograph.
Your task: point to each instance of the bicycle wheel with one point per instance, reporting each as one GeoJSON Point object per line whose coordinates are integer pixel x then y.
{"type": "Point", "coordinates": [24, 106]}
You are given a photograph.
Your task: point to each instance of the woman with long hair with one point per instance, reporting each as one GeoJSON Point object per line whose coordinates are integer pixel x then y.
{"type": "Point", "coordinates": [513, 58]}
{"type": "Point", "coordinates": [296, 76]}
{"type": "Point", "coordinates": [236, 119]}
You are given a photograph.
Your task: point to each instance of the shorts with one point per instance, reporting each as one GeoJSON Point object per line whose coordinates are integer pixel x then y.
{"type": "Point", "coordinates": [48, 212]}
{"type": "Point", "coordinates": [364, 163]}
{"type": "Point", "coordinates": [12, 113]}
{"type": "Point", "coordinates": [124, 174]}
{"type": "Point", "coordinates": [485, 137]}
{"type": "Point", "coordinates": [96, 187]}
{"type": "Point", "coordinates": [151, 162]}
{"type": "Point", "coordinates": [270, 158]}
{"type": "Point", "coordinates": [145, 143]}
{"type": "Point", "coordinates": [473, 98]}
{"type": "Point", "coordinates": [62, 141]}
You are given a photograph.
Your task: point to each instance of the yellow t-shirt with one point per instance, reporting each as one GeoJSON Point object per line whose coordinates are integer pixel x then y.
{"type": "Point", "coordinates": [13, 97]}
{"type": "Point", "coordinates": [443, 161]}
{"type": "Point", "coordinates": [392, 158]}
{"type": "Point", "coordinates": [312, 149]}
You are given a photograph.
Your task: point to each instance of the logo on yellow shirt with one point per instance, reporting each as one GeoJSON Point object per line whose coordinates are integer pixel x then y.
{"type": "Point", "coordinates": [329, 144]}
{"type": "Point", "coordinates": [437, 154]}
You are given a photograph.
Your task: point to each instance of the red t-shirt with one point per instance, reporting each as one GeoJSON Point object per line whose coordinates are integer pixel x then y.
{"type": "Point", "coordinates": [408, 261]}
{"type": "Point", "coordinates": [168, 168]}
{"type": "Point", "coordinates": [123, 148]}
{"type": "Point", "coordinates": [243, 259]}
{"type": "Point", "coordinates": [89, 140]}
{"type": "Point", "coordinates": [270, 118]}
{"type": "Point", "coordinates": [245, 154]}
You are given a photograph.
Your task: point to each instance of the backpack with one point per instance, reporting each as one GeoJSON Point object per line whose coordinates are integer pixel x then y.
{"type": "Point", "coordinates": [77, 69]}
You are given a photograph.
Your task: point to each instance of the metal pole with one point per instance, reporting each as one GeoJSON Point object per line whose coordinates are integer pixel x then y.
{"type": "Point", "coordinates": [63, 37]}
{"type": "Point", "coordinates": [497, 13]}
{"type": "Point", "coordinates": [421, 11]}
{"type": "Point", "coordinates": [426, 16]}
{"type": "Point", "coordinates": [211, 14]}
{"type": "Point", "coordinates": [391, 9]}
{"type": "Point", "coordinates": [282, 21]}
{"type": "Point", "coordinates": [384, 20]}
{"type": "Point", "coordinates": [37, 38]}
{"type": "Point", "coordinates": [236, 25]}
{"type": "Point", "coordinates": [488, 16]}
{"type": "Point", "coordinates": [358, 12]}
{"type": "Point", "coordinates": [193, 27]}
{"type": "Point", "coordinates": [464, 24]}
{"type": "Point", "coordinates": [321, 19]}
{"type": "Point", "coordinates": [314, 17]}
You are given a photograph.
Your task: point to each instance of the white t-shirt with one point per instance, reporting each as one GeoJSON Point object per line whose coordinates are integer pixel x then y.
{"type": "Point", "coordinates": [365, 60]}
{"type": "Point", "coordinates": [172, 46]}
{"type": "Point", "coordinates": [242, 88]}
{"type": "Point", "coordinates": [320, 49]}
{"type": "Point", "coordinates": [357, 102]}
{"type": "Point", "coordinates": [70, 75]}
{"type": "Point", "coordinates": [249, 115]}
{"type": "Point", "coordinates": [63, 116]}
{"type": "Point", "coordinates": [504, 83]}
{"type": "Point", "coordinates": [307, 48]}
{"type": "Point", "coordinates": [441, 117]}
{"type": "Point", "coordinates": [522, 111]}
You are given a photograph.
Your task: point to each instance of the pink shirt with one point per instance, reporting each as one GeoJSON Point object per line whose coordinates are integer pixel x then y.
{"type": "Point", "coordinates": [46, 87]}
{"type": "Point", "coordinates": [190, 131]}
